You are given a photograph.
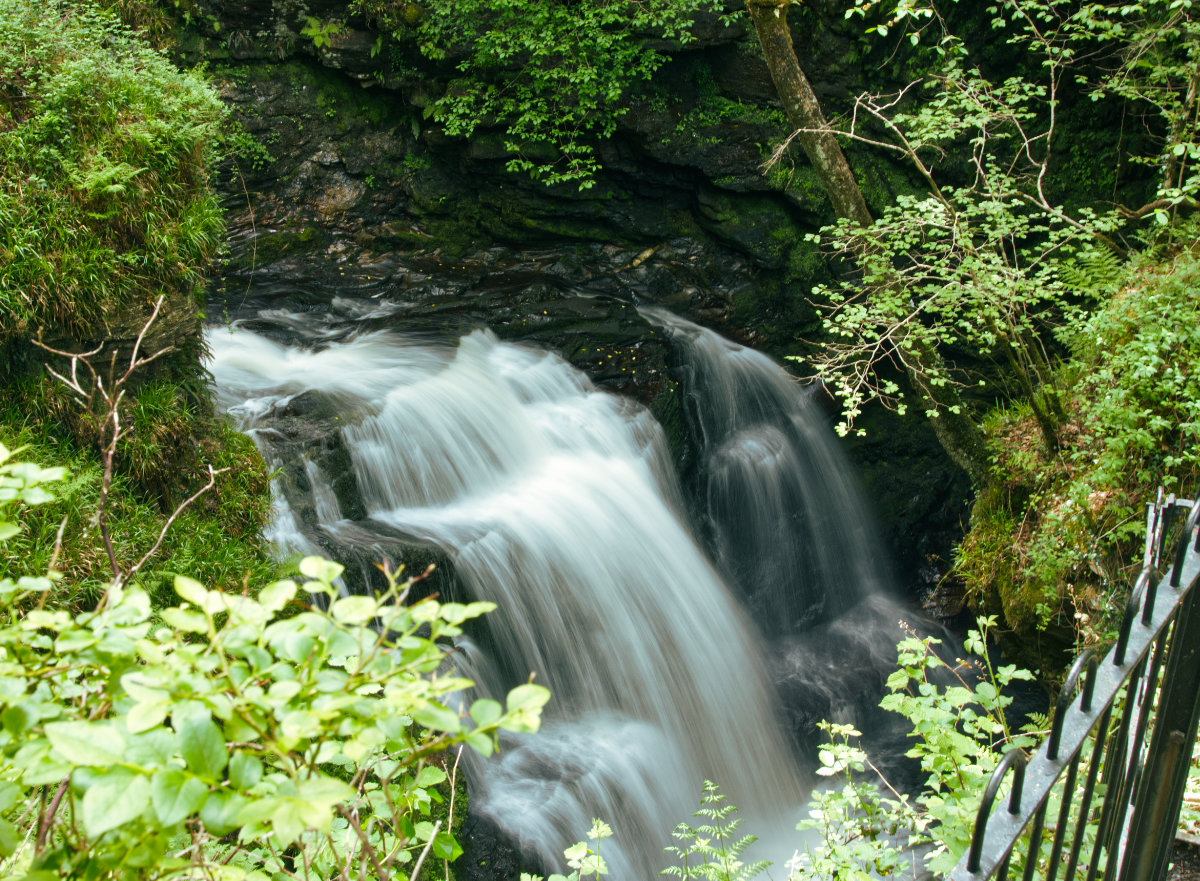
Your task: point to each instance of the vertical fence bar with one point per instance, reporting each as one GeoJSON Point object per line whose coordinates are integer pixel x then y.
{"type": "Point", "coordinates": [1160, 636]}
{"type": "Point", "coordinates": [1160, 793]}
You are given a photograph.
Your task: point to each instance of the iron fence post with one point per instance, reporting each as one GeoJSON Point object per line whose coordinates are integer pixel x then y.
{"type": "Point", "coordinates": [1160, 791]}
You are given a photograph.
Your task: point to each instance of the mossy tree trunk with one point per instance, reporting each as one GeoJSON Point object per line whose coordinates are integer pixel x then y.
{"type": "Point", "coordinates": [951, 421]}
{"type": "Point", "coordinates": [804, 112]}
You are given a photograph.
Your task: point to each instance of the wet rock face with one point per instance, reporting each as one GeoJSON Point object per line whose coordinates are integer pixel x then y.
{"type": "Point", "coordinates": [365, 197]}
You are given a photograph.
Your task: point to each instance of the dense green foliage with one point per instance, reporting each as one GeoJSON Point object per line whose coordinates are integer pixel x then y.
{"type": "Point", "coordinates": [104, 156]}
{"type": "Point", "coordinates": [106, 206]}
{"type": "Point", "coordinates": [556, 76]}
{"type": "Point", "coordinates": [227, 735]}
{"type": "Point", "coordinates": [216, 540]}
{"type": "Point", "coordinates": [1070, 315]}
{"type": "Point", "coordinates": [959, 732]}
{"type": "Point", "coordinates": [983, 262]}
{"type": "Point", "coordinates": [1059, 534]}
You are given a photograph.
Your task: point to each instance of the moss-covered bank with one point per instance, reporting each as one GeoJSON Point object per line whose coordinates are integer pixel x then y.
{"type": "Point", "coordinates": [107, 217]}
{"type": "Point", "coordinates": [1055, 543]}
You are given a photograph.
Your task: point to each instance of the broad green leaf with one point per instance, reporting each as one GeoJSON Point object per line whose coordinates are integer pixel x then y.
{"type": "Point", "coordinates": [354, 609]}
{"type": "Point", "coordinates": [576, 852]}
{"type": "Point", "coordinates": [10, 838]}
{"type": "Point", "coordinates": [220, 812]}
{"type": "Point", "coordinates": [35, 584]}
{"type": "Point", "coordinates": [325, 571]}
{"type": "Point", "coordinates": [152, 748]}
{"type": "Point", "coordinates": [486, 712]}
{"type": "Point", "coordinates": [50, 619]}
{"type": "Point", "coordinates": [245, 770]}
{"type": "Point", "coordinates": [191, 590]}
{"type": "Point", "coordinates": [203, 747]}
{"type": "Point", "coordinates": [437, 718]}
{"type": "Point", "coordinates": [480, 742]}
{"type": "Point", "coordinates": [19, 718]}
{"type": "Point", "coordinates": [528, 696]}
{"type": "Point", "coordinates": [425, 611]}
{"type": "Point", "coordinates": [145, 715]}
{"type": "Point", "coordinates": [287, 820]}
{"type": "Point", "coordinates": [430, 775]}
{"type": "Point", "coordinates": [324, 792]}
{"type": "Point", "coordinates": [113, 800]}
{"type": "Point", "coordinates": [275, 596]}
{"type": "Point", "coordinates": [86, 743]}
{"type": "Point", "coordinates": [445, 847]}
{"type": "Point", "coordinates": [456, 613]}
{"type": "Point", "coordinates": [181, 619]}
{"type": "Point", "coordinates": [175, 795]}
{"type": "Point", "coordinates": [525, 704]}
{"type": "Point", "coordinates": [10, 794]}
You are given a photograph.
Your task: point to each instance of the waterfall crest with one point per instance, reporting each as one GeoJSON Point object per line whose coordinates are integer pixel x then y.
{"type": "Point", "coordinates": [787, 519]}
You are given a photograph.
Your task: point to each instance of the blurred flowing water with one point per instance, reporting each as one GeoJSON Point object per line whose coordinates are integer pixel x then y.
{"type": "Point", "coordinates": [789, 526]}
{"type": "Point", "coordinates": [559, 502]}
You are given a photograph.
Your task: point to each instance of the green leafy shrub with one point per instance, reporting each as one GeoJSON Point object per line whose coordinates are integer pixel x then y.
{"type": "Point", "coordinates": [216, 539]}
{"type": "Point", "coordinates": [959, 731]}
{"type": "Point", "coordinates": [232, 736]}
{"type": "Point", "coordinates": [583, 857]}
{"type": "Point", "coordinates": [556, 76]}
{"type": "Point", "coordinates": [104, 155]}
{"type": "Point", "coordinates": [106, 208]}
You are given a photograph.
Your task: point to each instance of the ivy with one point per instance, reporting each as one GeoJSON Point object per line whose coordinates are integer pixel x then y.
{"type": "Point", "coordinates": [556, 76]}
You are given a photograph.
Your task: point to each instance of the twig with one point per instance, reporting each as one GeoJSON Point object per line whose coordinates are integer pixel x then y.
{"type": "Point", "coordinates": [46, 821]}
{"type": "Point", "coordinates": [162, 533]}
{"type": "Point", "coordinates": [425, 852]}
{"type": "Point", "coordinates": [351, 817]}
{"type": "Point", "coordinates": [453, 788]}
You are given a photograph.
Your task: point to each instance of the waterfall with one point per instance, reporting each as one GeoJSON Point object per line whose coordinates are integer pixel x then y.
{"type": "Point", "coordinates": [789, 525]}
{"type": "Point", "coordinates": [558, 502]}
{"type": "Point", "coordinates": [793, 534]}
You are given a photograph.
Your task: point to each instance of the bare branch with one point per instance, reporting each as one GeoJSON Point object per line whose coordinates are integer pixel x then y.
{"type": "Point", "coordinates": [425, 852]}
{"type": "Point", "coordinates": [351, 817]}
{"type": "Point", "coordinates": [453, 787]}
{"type": "Point", "coordinates": [46, 820]}
{"type": "Point", "coordinates": [162, 533]}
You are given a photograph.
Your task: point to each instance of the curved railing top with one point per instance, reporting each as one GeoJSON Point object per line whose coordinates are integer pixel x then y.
{"type": "Point", "coordinates": [1132, 844]}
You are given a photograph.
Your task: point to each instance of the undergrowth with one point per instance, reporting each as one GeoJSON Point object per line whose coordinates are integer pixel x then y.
{"type": "Point", "coordinates": [216, 539]}
{"type": "Point", "coordinates": [1055, 541]}
{"type": "Point", "coordinates": [105, 150]}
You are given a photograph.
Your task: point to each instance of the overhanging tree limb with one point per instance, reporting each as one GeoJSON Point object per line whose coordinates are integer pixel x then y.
{"type": "Point", "coordinates": [804, 111]}
{"type": "Point", "coordinates": [955, 430]}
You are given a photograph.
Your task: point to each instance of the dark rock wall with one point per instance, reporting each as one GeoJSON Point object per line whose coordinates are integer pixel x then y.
{"type": "Point", "coordinates": [364, 193]}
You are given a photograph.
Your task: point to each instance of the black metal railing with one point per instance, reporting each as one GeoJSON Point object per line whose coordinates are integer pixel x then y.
{"type": "Point", "coordinates": [1101, 797]}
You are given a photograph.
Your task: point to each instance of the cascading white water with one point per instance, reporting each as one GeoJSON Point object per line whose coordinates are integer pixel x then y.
{"type": "Point", "coordinates": [556, 501]}
{"type": "Point", "coordinates": [792, 532]}
{"type": "Point", "coordinates": [788, 521]}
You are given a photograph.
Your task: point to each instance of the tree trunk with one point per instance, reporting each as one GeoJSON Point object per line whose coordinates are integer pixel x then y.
{"type": "Point", "coordinates": [804, 112]}
{"type": "Point", "coordinates": [952, 424]}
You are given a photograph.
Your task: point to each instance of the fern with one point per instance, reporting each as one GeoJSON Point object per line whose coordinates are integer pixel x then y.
{"type": "Point", "coordinates": [1093, 271]}
{"type": "Point", "coordinates": [712, 850]}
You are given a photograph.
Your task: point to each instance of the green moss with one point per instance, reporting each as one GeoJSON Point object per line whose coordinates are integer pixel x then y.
{"type": "Point", "coordinates": [216, 539]}
{"type": "Point", "coordinates": [1055, 542]}
{"type": "Point", "coordinates": [104, 156]}
{"type": "Point", "coordinates": [106, 152]}
{"type": "Point", "coordinates": [271, 246]}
